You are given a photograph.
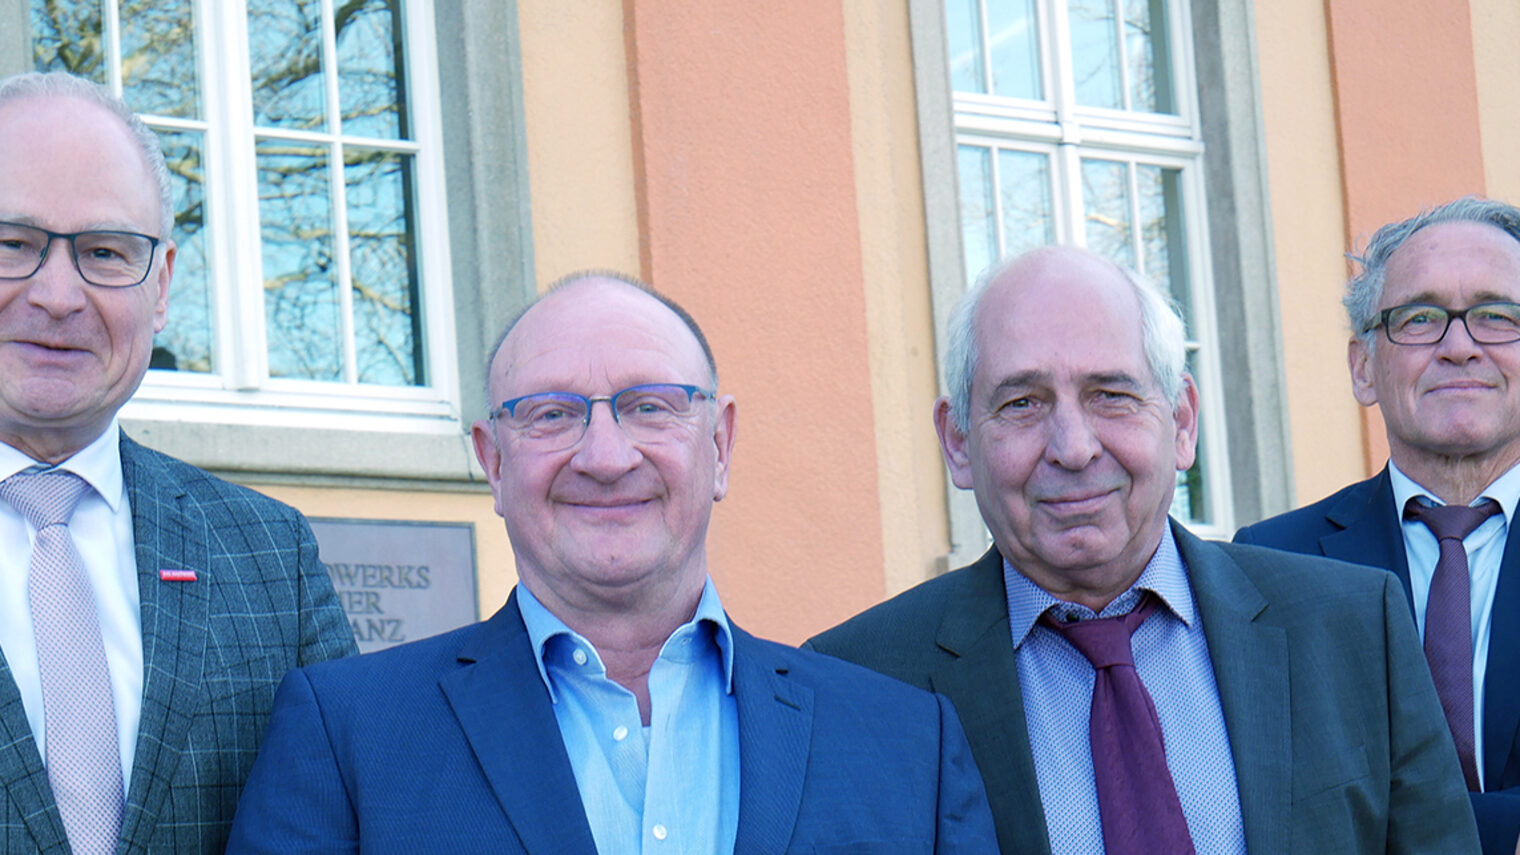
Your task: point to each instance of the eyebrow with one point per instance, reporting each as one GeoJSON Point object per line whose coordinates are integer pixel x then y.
{"type": "Point", "coordinates": [1036, 378]}
{"type": "Point", "coordinates": [1429, 299]}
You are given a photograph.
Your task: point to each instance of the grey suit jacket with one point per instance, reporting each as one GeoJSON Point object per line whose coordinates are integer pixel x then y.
{"type": "Point", "coordinates": [1307, 653]}
{"type": "Point", "coordinates": [213, 652]}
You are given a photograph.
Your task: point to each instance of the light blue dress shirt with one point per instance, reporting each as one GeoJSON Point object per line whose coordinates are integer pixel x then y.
{"type": "Point", "coordinates": [1172, 659]}
{"type": "Point", "coordinates": [668, 788]}
{"type": "Point", "coordinates": [1485, 553]}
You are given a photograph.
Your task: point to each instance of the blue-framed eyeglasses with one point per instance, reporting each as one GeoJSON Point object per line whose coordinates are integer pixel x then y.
{"type": "Point", "coordinates": [553, 421]}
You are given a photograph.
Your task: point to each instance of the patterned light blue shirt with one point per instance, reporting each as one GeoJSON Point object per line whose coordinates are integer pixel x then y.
{"type": "Point", "coordinates": [673, 786]}
{"type": "Point", "coordinates": [1172, 659]}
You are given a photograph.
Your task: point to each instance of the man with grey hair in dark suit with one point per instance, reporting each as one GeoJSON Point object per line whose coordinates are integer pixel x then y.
{"type": "Point", "coordinates": [147, 609]}
{"type": "Point", "coordinates": [1125, 686]}
{"type": "Point", "coordinates": [1450, 398]}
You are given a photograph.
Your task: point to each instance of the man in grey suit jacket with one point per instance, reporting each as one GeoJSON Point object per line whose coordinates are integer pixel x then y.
{"type": "Point", "coordinates": [1270, 677]}
{"type": "Point", "coordinates": [195, 596]}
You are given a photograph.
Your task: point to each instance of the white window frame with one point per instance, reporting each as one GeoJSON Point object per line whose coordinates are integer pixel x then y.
{"type": "Point", "coordinates": [1067, 132]}
{"type": "Point", "coordinates": [240, 391]}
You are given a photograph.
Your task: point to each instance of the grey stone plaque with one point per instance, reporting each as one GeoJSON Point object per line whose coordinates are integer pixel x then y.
{"type": "Point", "coordinates": [400, 580]}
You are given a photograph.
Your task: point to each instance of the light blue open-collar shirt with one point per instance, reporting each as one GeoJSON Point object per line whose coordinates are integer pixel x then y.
{"type": "Point", "coordinates": [673, 786]}
{"type": "Point", "coordinates": [1172, 660]}
{"type": "Point", "coordinates": [1485, 554]}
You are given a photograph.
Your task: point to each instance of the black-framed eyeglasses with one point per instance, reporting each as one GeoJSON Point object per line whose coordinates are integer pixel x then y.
{"type": "Point", "coordinates": [1497, 322]}
{"type": "Point", "coordinates": [554, 421]}
{"type": "Point", "coordinates": [110, 259]}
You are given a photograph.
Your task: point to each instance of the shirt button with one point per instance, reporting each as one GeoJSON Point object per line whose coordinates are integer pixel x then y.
{"type": "Point", "coordinates": [659, 832]}
{"type": "Point", "coordinates": [579, 656]}
{"type": "Point", "coordinates": [620, 733]}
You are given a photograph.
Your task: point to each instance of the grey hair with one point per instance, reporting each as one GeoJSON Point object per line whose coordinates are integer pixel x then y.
{"type": "Point", "coordinates": [632, 282]}
{"type": "Point", "coordinates": [1163, 337]}
{"type": "Point", "coordinates": [56, 84]}
{"type": "Point", "coordinates": [1365, 290]}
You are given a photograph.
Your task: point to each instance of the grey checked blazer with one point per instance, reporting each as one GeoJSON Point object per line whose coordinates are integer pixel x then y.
{"type": "Point", "coordinates": [213, 652]}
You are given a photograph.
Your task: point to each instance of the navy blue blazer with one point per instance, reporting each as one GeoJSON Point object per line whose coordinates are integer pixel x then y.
{"type": "Point", "coordinates": [1360, 524]}
{"type": "Point", "coordinates": [451, 743]}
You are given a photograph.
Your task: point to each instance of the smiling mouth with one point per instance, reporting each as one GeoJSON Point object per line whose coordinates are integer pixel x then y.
{"type": "Point", "coordinates": [1070, 505]}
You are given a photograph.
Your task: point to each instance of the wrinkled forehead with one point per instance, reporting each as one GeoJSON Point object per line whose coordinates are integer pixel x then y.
{"type": "Point", "coordinates": [1477, 256]}
{"type": "Point", "coordinates": [597, 336]}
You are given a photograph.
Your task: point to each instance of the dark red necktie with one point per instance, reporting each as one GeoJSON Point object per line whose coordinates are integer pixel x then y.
{"type": "Point", "coordinates": [1137, 798]}
{"type": "Point", "coordinates": [1448, 620]}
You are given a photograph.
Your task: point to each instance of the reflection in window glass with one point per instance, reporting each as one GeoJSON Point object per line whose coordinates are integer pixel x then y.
{"type": "Point", "coordinates": [382, 248]}
{"type": "Point", "coordinates": [285, 51]}
{"type": "Point", "coordinates": [963, 28]}
{"type": "Point", "coordinates": [1106, 210]}
{"type": "Point", "coordinates": [66, 36]}
{"type": "Point", "coordinates": [158, 57]}
{"type": "Point", "coordinates": [370, 87]}
{"type": "Point", "coordinates": [1014, 42]}
{"type": "Point", "coordinates": [1145, 43]}
{"type": "Point", "coordinates": [978, 226]}
{"type": "Point", "coordinates": [301, 307]}
{"type": "Point", "coordinates": [1095, 53]}
{"type": "Point", "coordinates": [1161, 234]}
{"type": "Point", "coordinates": [1025, 200]}
{"type": "Point", "coordinates": [185, 343]}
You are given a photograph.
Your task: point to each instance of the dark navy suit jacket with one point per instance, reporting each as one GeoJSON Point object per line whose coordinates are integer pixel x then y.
{"type": "Point", "coordinates": [450, 744]}
{"type": "Point", "coordinates": [1360, 524]}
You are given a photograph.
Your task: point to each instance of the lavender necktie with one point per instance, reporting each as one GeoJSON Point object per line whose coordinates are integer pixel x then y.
{"type": "Point", "coordinates": [83, 754]}
{"type": "Point", "coordinates": [1137, 798]}
{"type": "Point", "coordinates": [1448, 620]}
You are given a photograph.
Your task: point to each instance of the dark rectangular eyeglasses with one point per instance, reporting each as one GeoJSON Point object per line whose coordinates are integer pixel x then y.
{"type": "Point", "coordinates": [110, 259]}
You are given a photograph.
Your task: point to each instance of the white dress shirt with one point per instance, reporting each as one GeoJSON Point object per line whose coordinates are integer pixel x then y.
{"type": "Point", "coordinates": [1485, 552]}
{"type": "Point", "coordinates": [102, 531]}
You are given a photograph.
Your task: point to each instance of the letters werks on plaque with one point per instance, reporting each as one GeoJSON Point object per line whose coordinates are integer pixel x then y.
{"type": "Point", "coordinates": [400, 580]}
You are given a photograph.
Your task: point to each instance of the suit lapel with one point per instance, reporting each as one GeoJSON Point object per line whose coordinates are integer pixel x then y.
{"type": "Point", "coordinates": [983, 683]}
{"type": "Point", "coordinates": [500, 700]}
{"type": "Point", "coordinates": [1250, 659]}
{"type": "Point", "coordinates": [1369, 530]}
{"type": "Point", "coordinates": [168, 534]}
{"type": "Point", "coordinates": [775, 731]}
{"type": "Point", "coordinates": [1501, 691]}
{"type": "Point", "coordinates": [22, 775]}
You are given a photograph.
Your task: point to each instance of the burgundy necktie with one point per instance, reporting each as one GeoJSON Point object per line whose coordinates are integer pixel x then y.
{"type": "Point", "coordinates": [83, 751]}
{"type": "Point", "coordinates": [1137, 798]}
{"type": "Point", "coordinates": [1448, 620]}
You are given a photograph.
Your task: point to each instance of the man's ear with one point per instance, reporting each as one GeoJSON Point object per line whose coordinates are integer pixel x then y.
{"type": "Point", "coordinates": [165, 276]}
{"type": "Point", "coordinates": [1359, 357]}
{"type": "Point", "coordinates": [488, 452]}
{"type": "Point", "coordinates": [1185, 416]}
{"type": "Point", "coordinates": [723, 439]}
{"type": "Point", "coordinates": [953, 443]}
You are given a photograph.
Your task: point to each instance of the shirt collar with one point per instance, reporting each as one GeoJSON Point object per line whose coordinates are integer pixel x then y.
{"type": "Point", "coordinates": [1505, 490]}
{"type": "Point", "coordinates": [1165, 575]}
{"type": "Point", "coordinates": [543, 625]}
{"type": "Point", "coordinates": [98, 463]}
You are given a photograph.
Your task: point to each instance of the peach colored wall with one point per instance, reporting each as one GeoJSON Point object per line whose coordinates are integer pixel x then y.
{"type": "Point", "coordinates": [744, 175]}
{"type": "Point", "coordinates": [899, 316]}
{"type": "Point", "coordinates": [1496, 32]}
{"type": "Point", "coordinates": [1308, 230]}
{"type": "Point", "coordinates": [580, 162]}
{"type": "Point", "coordinates": [1407, 109]}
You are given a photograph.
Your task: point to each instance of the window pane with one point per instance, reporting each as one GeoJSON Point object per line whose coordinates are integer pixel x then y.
{"type": "Point", "coordinates": [1161, 234]}
{"type": "Point", "coordinates": [186, 342]}
{"type": "Point", "coordinates": [1015, 44]}
{"type": "Point", "coordinates": [1025, 197]}
{"type": "Point", "coordinates": [978, 226]}
{"type": "Point", "coordinates": [963, 29]}
{"type": "Point", "coordinates": [1145, 43]}
{"type": "Point", "coordinates": [387, 324]}
{"type": "Point", "coordinates": [158, 57]}
{"type": "Point", "coordinates": [285, 51]}
{"type": "Point", "coordinates": [1105, 198]}
{"type": "Point", "coordinates": [301, 305]}
{"type": "Point", "coordinates": [371, 88]}
{"type": "Point", "coordinates": [66, 37]}
{"type": "Point", "coordinates": [1095, 53]}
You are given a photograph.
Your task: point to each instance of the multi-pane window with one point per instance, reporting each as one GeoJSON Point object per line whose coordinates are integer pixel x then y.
{"type": "Point", "coordinates": [1074, 124]}
{"type": "Point", "coordinates": [303, 172]}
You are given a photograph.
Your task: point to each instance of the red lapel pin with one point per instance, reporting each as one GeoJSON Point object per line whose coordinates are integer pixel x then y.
{"type": "Point", "coordinates": [176, 575]}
